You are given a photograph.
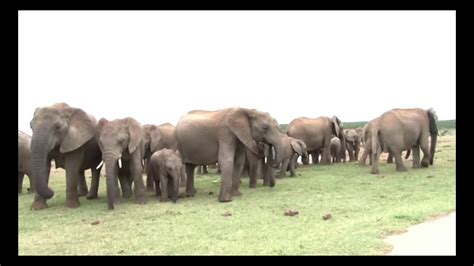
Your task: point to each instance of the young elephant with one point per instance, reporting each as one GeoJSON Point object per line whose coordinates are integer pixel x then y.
{"type": "Point", "coordinates": [166, 169]}
{"type": "Point", "coordinates": [292, 148]}
{"type": "Point", "coordinates": [24, 161]}
{"type": "Point", "coordinates": [336, 149]}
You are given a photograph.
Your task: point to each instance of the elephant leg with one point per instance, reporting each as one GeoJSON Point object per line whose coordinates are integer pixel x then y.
{"type": "Point", "coordinates": [153, 175]}
{"type": "Point", "coordinates": [239, 162]}
{"type": "Point", "coordinates": [20, 181]}
{"type": "Point", "coordinates": [182, 181]}
{"type": "Point", "coordinates": [125, 185]}
{"type": "Point", "coordinates": [292, 168]}
{"type": "Point", "coordinates": [164, 187]}
{"type": "Point", "coordinates": [284, 167]}
{"type": "Point", "coordinates": [199, 170]}
{"type": "Point", "coordinates": [190, 190]}
{"type": "Point", "coordinates": [375, 156]}
{"type": "Point", "coordinates": [136, 170]}
{"type": "Point", "coordinates": [390, 157]}
{"type": "Point", "coordinates": [82, 191]}
{"type": "Point", "coordinates": [32, 188]}
{"type": "Point", "coordinates": [253, 169]}
{"type": "Point", "coordinates": [426, 151]}
{"type": "Point", "coordinates": [226, 161]}
{"type": "Point", "coordinates": [416, 157]}
{"type": "Point", "coordinates": [204, 169]}
{"type": "Point", "coordinates": [325, 157]}
{"type": "Point", "coordinates": [315, 156]}
{"type": "Point", "coordinates": [268, 175]}
{"type": "Point", "coordinates": [73, 176]}
{"type": "Point", "coordinates": [93, 192]}
{"type": "Point", "coordinates": [399, 161]}
{"type": "Point", "coordinates": [356, 151]}
{"type": "Point", "coordinates": [363, 158]}
{"type": "Point", "coordinates": [305, 160]}
{"type": "Point", "coordinates": [149, 180]}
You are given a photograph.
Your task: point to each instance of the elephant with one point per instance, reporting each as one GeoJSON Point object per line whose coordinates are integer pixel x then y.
{"type": "Point", "coordinates": [337, 151]}
{"type": "Point", "coordinates": [157, 138]}
{"type": "Point", "coordinates": [352, 144]}
{"type": "Point", "coordinates": [316, 133]}
{"type": "Point", "coordinates": [65, 134]}
{"type": "Point", "coordinates": [292, 148]}
{"type": "Point", "coordinates": [258, 165]}
{"type": "Point", "coordinates": [24, 161]}
{"type": "Point", "coordinates": [221, 136]}
{"type": "Point", "coordinates": [122, 144]}
{"type": "Point", "coordinates": [401, 129]}
{"type": "Point", "coordinates": [166, 169]}
{"type": "Point", "coordinates": [360, 133]}
{"type": "Point", "coordinates": [367, 136]}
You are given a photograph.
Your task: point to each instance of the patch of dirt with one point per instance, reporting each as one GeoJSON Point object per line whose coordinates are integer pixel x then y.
{"type": "Point", "coordinates": [291, 213]}
{"type": "Point", "coordinates": [327, 216]}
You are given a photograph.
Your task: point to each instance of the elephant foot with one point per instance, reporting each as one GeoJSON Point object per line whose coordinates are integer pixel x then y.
{"type": "Point", "coordinates": [141, 200]}
{"type": "Point", "coordinates": [374, 172]}
{"type": "Point", "coordinates": [82, 192]}
{"type": "Point", "coordinates": [224, 198]}
{"type": "Point", "coordinates": [424, 163]}
{"type": "Point", "coordinates": [72, 203]}
{"type": "Point", "coordinates": [31, 191]}
{"type": "Point", "coordinates": [126, 194]}
{"type": "Point", "coordinates": [252, 185]}
{"type": "Point", "coordinates": [91, 196]}
{"type": "Point", "coordinates": [401, 169]}
{"type": "Point", "coordinates": [236, 193]}
{"type": "Point", "coordinates": [150, 189]}
{"type": "Point", "coordinates": [190, 193]}
{"type": "Point", "coordinates": [416, 166]}
{"type": "Point", "coordinates": [39, 205]}
{"type": "Point", "coordinates": [292, 175]}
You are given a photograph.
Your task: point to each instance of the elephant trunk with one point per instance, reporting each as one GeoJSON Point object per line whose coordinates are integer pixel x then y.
{"type": "Point", "coordinates": [433, 132]}
{"type": "Point", "coordinates": [276, 153]}
{"type": "Point", "coordinates": [111, 175]}
{"type": "Point", "coordinates": [176, 178]}
{"type": "Point", "coordinates": [39, 162]}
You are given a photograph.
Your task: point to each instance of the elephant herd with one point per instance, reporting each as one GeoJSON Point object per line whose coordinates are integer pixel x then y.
{"type": "Point", "coordinates": [233, 138]}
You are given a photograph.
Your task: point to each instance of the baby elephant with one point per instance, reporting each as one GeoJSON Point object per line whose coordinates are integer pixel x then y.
{"type": "Point", "coordinates": [166, 168]}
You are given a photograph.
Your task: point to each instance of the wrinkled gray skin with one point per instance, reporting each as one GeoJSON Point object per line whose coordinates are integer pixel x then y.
{"type": "Point", "coordinates": [207, 137]}
{"type": "Point", "coordinates": [316, 133]}
{"type": "Point", "coordinates": [157, 138]}
{"type": "Point", "coordinates": [367, 136]}
{"type": "Point", "coordinates": [402, 129]}
{"type": "Point", "coordinates": [122, 139]}
{"type": "Point", "coordinates": [352, 144]}
{"type": "Point", "coordinates": [292, 148]}
{"type": "Point", "coordinates": [24, 161]}
{"type": "Point", "coordinates": [166, 169]}
{"type": "Point", "coordinates": [65, 134]}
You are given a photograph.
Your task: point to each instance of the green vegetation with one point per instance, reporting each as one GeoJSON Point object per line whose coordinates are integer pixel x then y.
{"type": "Point", "coordinates": [364, 208]}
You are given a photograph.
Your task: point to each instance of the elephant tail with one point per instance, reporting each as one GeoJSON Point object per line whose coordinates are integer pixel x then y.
{"type": "Point", "coordinates": [433, 132]}
{"type": "Point", "coordinates": [377, 141]}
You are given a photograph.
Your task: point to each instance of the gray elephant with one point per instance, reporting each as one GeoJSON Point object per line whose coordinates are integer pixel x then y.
{"type": "Point", "coordinates": [337, 151]}
{"type": "Point", "coordinates": [292, 148]}
{"type": "Point", "coordinates": [316, 133]}
{"type": "Point", "coordinates": [166, 169]}
{"type": "Point", "coordinates": [123, 147]}
{"type": "Point", "coordinates": [24, 161]}
{"type": "Point", "coordinates": [207, 137]}
{"type": "Point", "coordinates": [401, 129]}
{"type": "Point", "coordinates": [65, 134]}
{"type": "Point", "coordinates": [352, 144]}
{"type": "Point", "coordinates": [259, 165]}
{"type": "Point", "coordinates": [157, 138]}
{"type": "Point", "coordinates": [367, 136]}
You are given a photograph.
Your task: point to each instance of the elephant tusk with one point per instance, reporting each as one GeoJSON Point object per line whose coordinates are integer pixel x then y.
{"type": "Point", "coordinates": [100, 164]}
{"type": "Point", "coordinates": [120, 162]}
{"type": "Point", "coordinates": [265, 160]}
{"type": "Point", "coordinates": [273, 153]}
{"type": "Point", "coordinates": [143, 162]}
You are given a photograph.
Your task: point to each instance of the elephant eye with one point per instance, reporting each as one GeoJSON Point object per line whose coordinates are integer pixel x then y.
{"type": "Point", "coordinates": [265, 127]}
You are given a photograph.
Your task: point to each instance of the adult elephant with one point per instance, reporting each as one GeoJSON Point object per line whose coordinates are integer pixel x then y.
{"type": "Point", "coordinates": [157, 137]}
{"type": "Point", "coordinates": [352, 143]}
{"type": "Point", "coordinates": [123, 149]}
{"type": "Point", "coordinates": [24, 161]}
{"type": "Point", "coordinates": [367, 136]}
{"type": "Point", "coordinates": [65, 134]}
{"type": "Point", "coordinates": [401, 129]}
{"type": "Point", "coordinates": [316, 133]}
{"type": "Point", "coordinates": [207, 137]}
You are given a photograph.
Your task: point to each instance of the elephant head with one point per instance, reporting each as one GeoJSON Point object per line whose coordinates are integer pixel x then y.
{"type": "Point", "coordinates": [118, 138]}
{"type": "Point", "coordinates": [337, 128]}
{"type": "Point", "coordinates": [252, 126]}
{"type": "Point", "coordinates": [58, 126]}
{"type": "Point", "coordinates": [173, 168]}
{"type": "Point", "coordinates": [299, 147]}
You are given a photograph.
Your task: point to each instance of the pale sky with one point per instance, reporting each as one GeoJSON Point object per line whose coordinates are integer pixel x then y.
{"type": "Point", "coordinates": [155, 66]}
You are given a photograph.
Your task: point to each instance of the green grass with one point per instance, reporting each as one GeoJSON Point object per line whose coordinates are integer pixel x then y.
{"type": "Point", "coordinates": [364, 208]}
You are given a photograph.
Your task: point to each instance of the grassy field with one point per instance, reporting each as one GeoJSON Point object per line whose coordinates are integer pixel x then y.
{"type": "Point", "coordinates": [364, 208]}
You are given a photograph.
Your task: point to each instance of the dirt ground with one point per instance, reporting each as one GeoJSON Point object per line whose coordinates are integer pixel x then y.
{"type": "Point", "coordinates": [436, 237]}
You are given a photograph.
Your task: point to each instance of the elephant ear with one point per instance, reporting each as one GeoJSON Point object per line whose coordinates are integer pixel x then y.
{"type": "Point", "coordinates": [155, 139]}
{"type": "Point", "coordinates": [81, 129]}
{"type": "Point", "coordinates": [136, 137]}
{"type": "Point", "coordinates": [238, 122]}
{"type": "Point", "coordinates": [337, 125]}
{"type": "Point", "coordinates": [298, 146]}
